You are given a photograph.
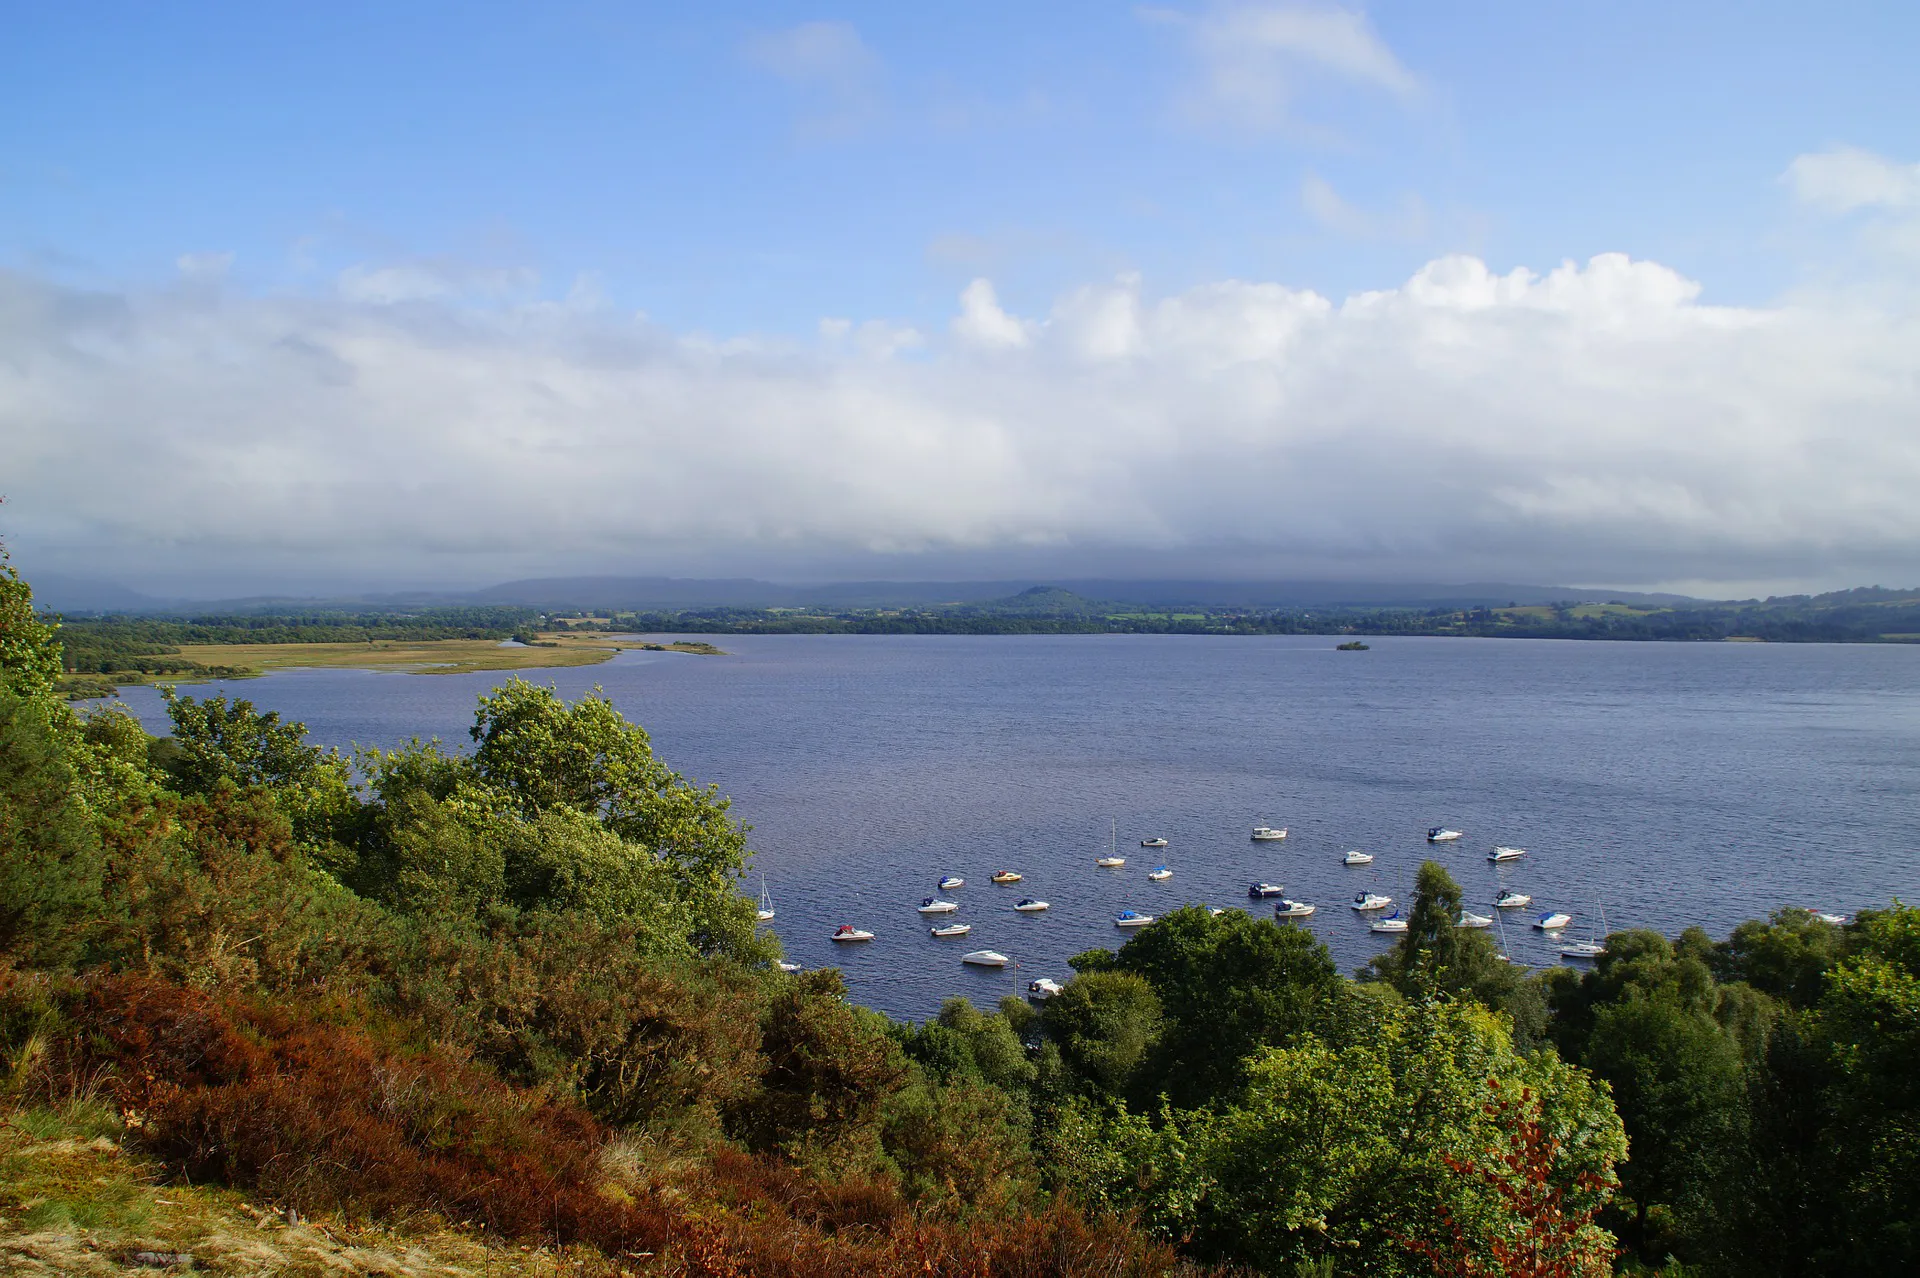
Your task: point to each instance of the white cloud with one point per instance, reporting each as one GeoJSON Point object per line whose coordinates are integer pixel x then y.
{"type": "Point", "coordinates": [1596, 422]}
{"type": "Point", "coordinates": [207, 267]}
{"type": "Point", "coordinates": [1327, 207]}
{"type": "Point", "coordinates": [1255, 58]}
{"type": "Point", "coordinates": [1847, 178]}
{"type": "Point", "coordinates": [981, 322]}
{"type": "Point", "coordinates": [831, 66]}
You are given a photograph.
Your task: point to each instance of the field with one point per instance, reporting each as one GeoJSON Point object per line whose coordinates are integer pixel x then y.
{"type": "Point", "coordinates": [432, 656]}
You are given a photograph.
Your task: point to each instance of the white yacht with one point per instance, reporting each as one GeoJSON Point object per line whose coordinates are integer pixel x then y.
{"type": "Point", "coordinates": [985, 958]}
{"type": "Point", "coordinates": [1267, 834]}
{"type": "Point", "coordinates": [1042, 988]}
{"type": "Point", "coordinates": [951, 881]}
{"type": "Point", "coordinates": [1511, 900]}
{"type": "Point", "coordinates": [1030, 906]}
{"type": "Point", "coordinates": [1371, 901]}
{"type": "Point", "coordinates": [1160, 874]}
{"type": "Point", "coordinates": [1583, 950]}
{"type": "Point", "coordinates": [765, 913]}
{"type": "Point", "coordinates": [1836, 919]}
{"type": "Point", "coordinates": [1552, 921]}
{"type": "Point", "coordinates": [1357, 857]}
{"type": "Point", "coordinates": [785, 966]}
{"type": "Point", "coordinates": [848, 932]}
{"type": "Point", "coordinates": [1288, 909]}
{"type": "Point", "coordinates": [1110, 862]}
{"type": "Point", "coordinates": [934, 905]}
{"type": "Point", "coordinates": [1391, 923]}
{"type": "Point", "coordinates": [1504, 853]}
{"type": "Point", "coordinates": [1127, 918]}
{"type": "Point", "coordinates": [1440, 834]}
{"type": "Point", "coordinates": [1155, 842]}
{"type": "Point", "coordinates": [951, 929]}
{"type": "Point", "coordinates": [1469, 919]}
{"type": "Point", "coordinates": [1006, 876]}
{"type": "Point", "coordinates": [1265, 889]}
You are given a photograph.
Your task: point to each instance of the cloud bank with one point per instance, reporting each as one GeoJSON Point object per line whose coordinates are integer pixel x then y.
{"type": "Point", "coordinates": [1595, 423]}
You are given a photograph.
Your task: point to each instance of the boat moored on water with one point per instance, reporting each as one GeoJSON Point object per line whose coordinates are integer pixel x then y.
{"type": "Point", "coordinates": [1583, 950]}
{"type": "Point", "coordinates": [1110, 862]}
{"type": "Point", "coordinates": [985, 958]}
{"type": "Point", "coordinates": [1290, 909]}
{"type": "Point", "coordinates": [1028, 905]}
{"type": "Point", "coordinates": [848, 932]}
{"type": "Point", "coordinates": [1511, 900]}
{"type": "Point", "coordinates": [785, 966]}
{"type": "Point", "coordinates": [1837, 920]}
{"type": "Point", "coordinates": [1160, 874]}
{"type": "Point", "coordinates": [1042, 988]}
{"type": "Point", "coordinates": [1006, 876]}
{"type": "Point", "coordinates": [1440, 834]}
{"type": "Point", "coordinates": [765, 913]}
{"type": "Point", "coordinates": [951, 881]}
{"type": "Point", "coordinates": [1357, 857]}
{"type": "Point", "coordinates": [1504, 853]}
{"type": "Point", "coordinates": [1153, 843]}
{"type": "Point", "coordinates": [1268, 834]}
{"type": "Point", "coordinates": [1129, 918]}
{"type": "Point", "coordinates": [1389, 923]}
{"type": "Point", "coordinates": [1370, 901]}
{"type": "Point", "coordinates": [1469, 919]}
{"type": "Point", "coordinates": [951, 929]}
{"type": "Point", "coordinates": [1264, 889]}
{"type": "Point", "coordinates": [934, 905]}
{"type": "Point", "coordinates": [1552, 921]}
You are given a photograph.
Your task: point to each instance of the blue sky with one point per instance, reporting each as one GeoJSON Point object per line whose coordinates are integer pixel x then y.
{"type": "Point", "coordinates": [739, 174]}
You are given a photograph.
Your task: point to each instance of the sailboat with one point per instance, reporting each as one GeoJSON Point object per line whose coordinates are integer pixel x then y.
{"type": "Point", "coordinates": [1112, 860]}
{"type": "Point", "coordinates": [1500, 923]}
{"type": "Point", "coordinates": [1591, 948]}
{"type": "Point", "coordinates": [765, 913]}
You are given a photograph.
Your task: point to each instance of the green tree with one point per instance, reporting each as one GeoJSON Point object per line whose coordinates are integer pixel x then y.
{"type": "Point", "coordinates": [1229, 984]}
{"type": "Point", "coordinates": [29, 645]}
{"type": "Point", "coordinates": [1104, 1024]}
{"type": "Point", "coordinates": [50, 856]}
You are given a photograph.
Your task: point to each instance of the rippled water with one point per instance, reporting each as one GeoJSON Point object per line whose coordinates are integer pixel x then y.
{"type": "Point", "coordinates": [1665, 784]}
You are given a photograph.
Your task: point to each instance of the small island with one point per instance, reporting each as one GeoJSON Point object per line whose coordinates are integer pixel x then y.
{"type": "Point", "coordinates": [1351, 645]}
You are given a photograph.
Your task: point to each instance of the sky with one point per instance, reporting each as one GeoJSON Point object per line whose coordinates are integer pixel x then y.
{"type": "Point", "coordinates": [354, 296]}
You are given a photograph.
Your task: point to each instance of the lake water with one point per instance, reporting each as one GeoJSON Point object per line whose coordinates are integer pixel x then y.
{"type": "Point", "coordinates": [1666, 784]}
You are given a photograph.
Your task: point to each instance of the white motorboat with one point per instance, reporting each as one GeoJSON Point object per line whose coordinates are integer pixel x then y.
{"type": "Point", "coordinates": [1286, 909]}
{"type": "Point", "coordinates": [1006, 876]}
{"type": "Point", "coordinates": [1267, 834]}
{"type": "Point", "coordinates": [1440, 834]}
{"type": "Point", "coordinates": [1469, 919]}
{"type": "Point", "coordinates": [1511, 900]}
{"type": "Point", "coordinates": [1153, 843]}
{"type": "Point", "coordinates": [1371, 901]}
{"type": "Point", "coordinates": [1504, 853]}
{"type": "Point", "coordinates": [1042, 988]}
{"type": "Point", "coordinates": [1264, 889]}
{"type": "Point", "coordinates": [1391, 923]}
{"type": "Point", "coordinates": [1357, 857]}
{"type": "Point", "coordinates": [765, 913]}
{"type": "Point", "coordinates": [1160, 874]}
{"type": "Point", "coordinates": [1030, 906]}
{"type": "Point", "coordinates": [848, 932]}
{"type": "Point", "coordinates": [785, 966]}
{"type": "Point", "coordinates": [1583, 950]}
{"type": "Point", "coordinates": [951, 881]}
{"type": "Point", "coordinates": [951, 929]}
{"type": "Point", "coordinates": [1552, 921]}
{"type": "Point", "coordinates": [934, 905]}
{"type": "Point", "coordinates": [1128, 918]}
{"type": "Point", "coordinates": [985, 958]}
{"type": "Point", "coordinates": [1837, 920]}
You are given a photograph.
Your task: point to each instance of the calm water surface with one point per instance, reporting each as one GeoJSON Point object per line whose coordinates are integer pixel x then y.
{"type": "Point", "coordinates": [1664, 784]}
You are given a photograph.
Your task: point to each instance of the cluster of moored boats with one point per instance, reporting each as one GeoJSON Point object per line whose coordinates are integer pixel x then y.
{"type": "Point", "coordinates": [1365, 903]}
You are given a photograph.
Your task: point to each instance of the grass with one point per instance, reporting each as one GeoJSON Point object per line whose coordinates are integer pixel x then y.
{"type": "Point", "coordinates": [74, 1201]}
{"type": "Point", "coordinates": [1541, 612]}
{"type": "Point", "coordinates": [430, 656]}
